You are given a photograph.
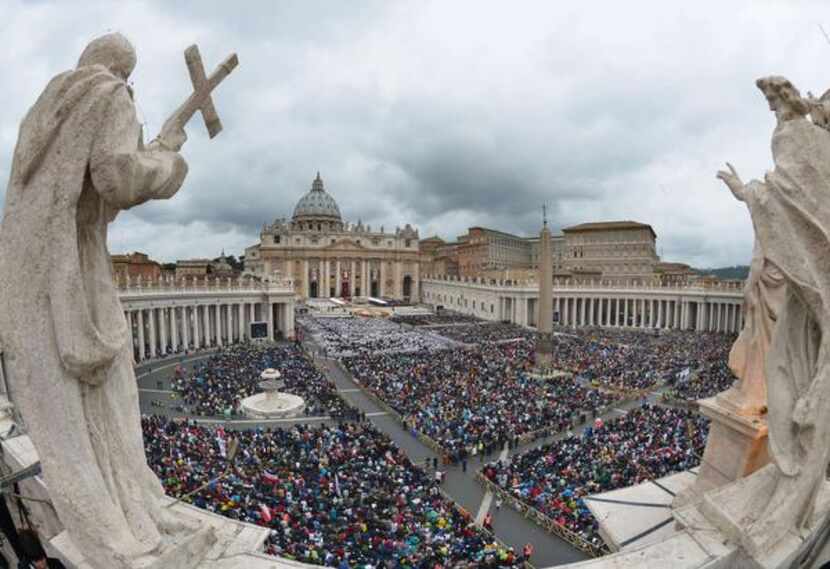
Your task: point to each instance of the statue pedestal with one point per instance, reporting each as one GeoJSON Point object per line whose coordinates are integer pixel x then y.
{"type": "Point", "coordinates": [732, 509]}
{"type": "Point", "coordinates": [238, 546]}
{"type": "Point", "coordinates": [737, 447]}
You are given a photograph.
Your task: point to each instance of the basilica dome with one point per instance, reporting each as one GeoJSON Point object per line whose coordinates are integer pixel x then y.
{"type": "Point", "coordinates": [316, 204]}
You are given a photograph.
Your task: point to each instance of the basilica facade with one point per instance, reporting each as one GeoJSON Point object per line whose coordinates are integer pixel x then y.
{"type": "Point", "coordinates": [325, 256]}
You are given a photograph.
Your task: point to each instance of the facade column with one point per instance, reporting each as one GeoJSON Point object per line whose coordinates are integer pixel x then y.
{"type": "Point", "coordinates": [382, 277]}
{"type": "Point", "coordinates": [151, 313]}
{"type": "Point", "coordinates": [625, 312]}
{"type": "Point", "coordinates": [326, 279]}
{"type": "Point", "coordinates": [365, 286]}
{"type": "Point", "coordinates": [398, 280]}
{"type": "Point", "coordinates": [416, 283]}
{"type": "Point", "coordinates": [306, 280]}
{"type": "Point", "coordinates": [141, 352]}
{"type": "Point", "coordinates": [252, 306]}
{"type": "Point", "coordinates": [289, 327]}
{"type": "Point", "coordinates": [229, 322]}
{"type": "Point", "coordinates": [338, 275]}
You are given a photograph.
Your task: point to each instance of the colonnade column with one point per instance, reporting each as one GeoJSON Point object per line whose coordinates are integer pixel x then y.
{"type": "Point", "coordinates": [129, 317]}
{"type": "Point", "coordinates": [625, 312]}
{"type": "Point", "coordinates": [141, 352]}
{"type": "Point", "coordinates": [197, 326]}
{"type": "Point", "coordinates": [270, 308]}
{"type": "Point", "coordinates": [174, 329]}
{"type": "Point", "coordinates": [151, 314]}
{"type": "Point", "coordinates": [241, 317]}
{"type": "Point", "coordinates": [186, 327]}
{"type": "Point", "coordinates": [163, 322]}
{"type": "Point", "coordinates": [218, 324]}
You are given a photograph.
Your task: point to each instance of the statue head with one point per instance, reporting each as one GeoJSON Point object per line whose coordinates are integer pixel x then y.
{"type": "Point", "coordinates": [113, 51]}
{"type": "Point", "coordinates": [783, 98]}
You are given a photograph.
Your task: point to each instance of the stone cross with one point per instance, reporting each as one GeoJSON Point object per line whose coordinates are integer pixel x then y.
{"type": "Point", "coordinates": [200, 99]}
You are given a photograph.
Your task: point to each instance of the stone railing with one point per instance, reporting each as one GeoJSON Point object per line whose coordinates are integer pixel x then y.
{"type": "Point", "coordinates": [191, 285]}
{"type": "Point", "coordinates": [700, 287]}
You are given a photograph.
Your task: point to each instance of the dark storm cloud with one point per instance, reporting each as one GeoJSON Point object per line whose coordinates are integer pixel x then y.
{"type": "Point", "coordinates": [445, 115]}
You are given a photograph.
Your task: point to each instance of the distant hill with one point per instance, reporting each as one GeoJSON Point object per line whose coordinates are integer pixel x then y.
{"type": "Point", "coordinates": [736, 272]}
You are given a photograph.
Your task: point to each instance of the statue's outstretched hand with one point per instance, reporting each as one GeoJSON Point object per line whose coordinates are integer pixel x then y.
{"type": "Point", "coordinates": [733, 181]}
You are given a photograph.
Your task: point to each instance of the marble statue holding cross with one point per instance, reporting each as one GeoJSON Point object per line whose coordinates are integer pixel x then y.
{"type": "Point", "coordinates": [78, 162]}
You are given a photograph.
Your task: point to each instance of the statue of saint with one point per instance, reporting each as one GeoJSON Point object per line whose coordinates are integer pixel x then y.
{"type": "Point", "coordinates": [79, 160]}
{"type": "Point", "coordinates": [791, 216]}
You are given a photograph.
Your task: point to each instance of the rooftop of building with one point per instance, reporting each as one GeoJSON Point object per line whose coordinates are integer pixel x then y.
{"type": "Point", "coordinates": [606, 225]}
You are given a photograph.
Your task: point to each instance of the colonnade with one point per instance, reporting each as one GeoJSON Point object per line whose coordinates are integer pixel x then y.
{"type": "Point", "coordinates": [691, 307]}
{"type": "Point", "coordinates": [162, 329]}
{"type": "Point", "coordinates": [710, 315]}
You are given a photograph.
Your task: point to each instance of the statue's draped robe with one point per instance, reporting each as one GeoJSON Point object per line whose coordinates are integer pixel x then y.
{"type": "Point", "coordinates": [791, 216]}
{"type": "Point", "coordinates": [763, 298]}
{"type": "Point", "coordinates": [78, 161]}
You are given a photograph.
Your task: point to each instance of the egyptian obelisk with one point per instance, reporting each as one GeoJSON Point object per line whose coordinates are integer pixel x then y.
{"type": "Point", "coordinates": [544, 317]}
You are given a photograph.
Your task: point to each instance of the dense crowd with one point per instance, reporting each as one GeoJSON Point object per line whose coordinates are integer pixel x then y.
{"type": "Point", "coordinates": [340, 496]}
{"type": "Point", "coordinates": [217, 385]}
{"type": "Point", "coordinates": [342, 337]}
{"type": "Point", "coordinates": [442, 318]}
{"type": "Point", "coordinates": [473, 400]}
{"type": "Point", "coordinates": [629, 360]}
{"type": "Point", "coordinates": [485, 333]}
{"type": "Point", "coordinates": [646, 443]}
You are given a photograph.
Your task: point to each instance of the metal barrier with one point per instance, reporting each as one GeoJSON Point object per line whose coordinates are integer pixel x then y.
{"type": "Point", "coordinates": [544, 521]}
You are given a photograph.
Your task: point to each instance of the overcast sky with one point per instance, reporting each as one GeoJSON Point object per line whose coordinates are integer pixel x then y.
{"type": "Point", "coordinates": [444, 114]}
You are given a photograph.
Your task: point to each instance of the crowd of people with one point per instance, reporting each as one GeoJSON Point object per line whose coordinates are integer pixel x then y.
{"type": "Point", "coordinates": [626, 360]}
{"type": "Point", "coordinates": [475, 399]}
{"type": "Point", "coordinates": [337, 495]}
{"type": "Point", "coordinates": [442, 318]}
{"type": "Point", "coordinates": [485, 333]}
{"type": "Point", "coordinates": [344, 337]}
{"type": "Point", "coordinates": [647, 443]}
{"type": "Point", "coordinates": [218, 384]}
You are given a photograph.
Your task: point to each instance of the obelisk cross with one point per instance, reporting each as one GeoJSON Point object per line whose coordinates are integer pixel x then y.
{"type": "Point", "coordinates": [200, 99]}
